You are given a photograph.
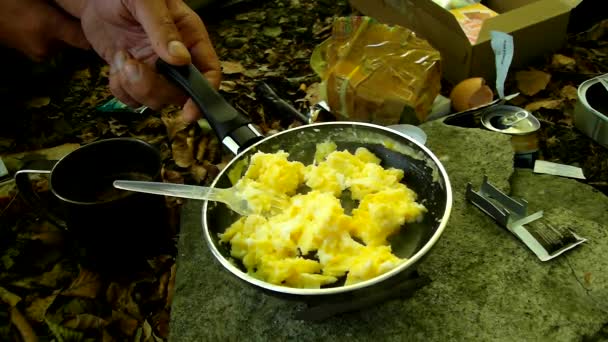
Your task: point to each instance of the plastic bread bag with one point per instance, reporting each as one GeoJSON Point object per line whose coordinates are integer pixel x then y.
{"type": "Point", "coordinates": [373, 72]}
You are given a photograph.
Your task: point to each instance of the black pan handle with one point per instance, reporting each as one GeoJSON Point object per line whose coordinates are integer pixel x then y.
{"type": "Point", "coordinates": [232, 128]}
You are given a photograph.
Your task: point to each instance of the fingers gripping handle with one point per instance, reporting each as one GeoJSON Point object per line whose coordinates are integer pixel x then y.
{"type": "Point", "coordinates": [233, 128]}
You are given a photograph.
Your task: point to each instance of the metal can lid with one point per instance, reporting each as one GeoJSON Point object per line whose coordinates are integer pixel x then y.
{"type": "Point", "coordinates": [510, 120]}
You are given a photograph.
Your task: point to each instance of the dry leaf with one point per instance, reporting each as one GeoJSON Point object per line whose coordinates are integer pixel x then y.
{"type": "Point", "coordinates": [567, 120]}
{"type": "Point", "coordinates": [569, 92]}
{"type": "Point", "coordinates": [313, 94]}
{"type": "Point", "coordinates": [198, 171]}
{"type": "Point", "coordinates": [8, 297]}
{"type": "Point", "coordinates": [552, 141]}
{"type": "Point", "coordinates": [51, 279]}
{"type": "Point", "coordinates": [182, 149]}
{"type": "Point", "coordinates": [549, 104]}
{"type": "Point", "coordinates": [152, 123]}
{"type": "Point", "coordinates": [84, 322]}
{"type": "Point", "coordinates": [86, 285]}
{"type": "Point", "coordinates": [560, 61]}
{"type": "Point", "coordinates": [202, 147]}
{"type": "Point", "coordinates": [106, 337]}
{"type": "Point", "coordinates": [227, 86]}
{"type": "Point", "coordinates": [160, 323]}
{"type": "Point", "coordinates": [172, 176]}
{"type": "Point", "coordinates": [121, 299]}
{"type": "Point", "coordinates": [39, 102]}
{"type": "Point", "coordinates": [174, 123]}
{"type": "Point", "coordinates": [117, 128]}
{"type": "Point", "coordinates": [23, 326]}
{"type": "Point", "coordinates": [229, 68]}
{"type": "Point", "coordinates": [126, 323]}
{"type": "Point", "coordinates": [36, 311]}
{"type": "Point", "coordinates": [531, 82]}
{"type": "Point", "coordinates": [49, 238]}
{"type": "Point", "coordinates": [171, 286]}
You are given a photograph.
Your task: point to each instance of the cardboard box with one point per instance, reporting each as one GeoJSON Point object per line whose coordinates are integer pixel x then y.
{"type": "Point", "coordinates": [538, 27]}
{"type": "Point", "coordinates": [471, 19]}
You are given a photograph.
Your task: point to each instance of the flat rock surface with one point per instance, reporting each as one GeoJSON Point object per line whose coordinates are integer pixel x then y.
{"type": "Point", "coordinates": [485, 284]}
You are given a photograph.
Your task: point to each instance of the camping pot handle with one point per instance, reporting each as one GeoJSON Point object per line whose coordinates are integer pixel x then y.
{"type": "Point", "coordinates": [232, 128]}
{"type": "Point", "coordinates": [26, 191]}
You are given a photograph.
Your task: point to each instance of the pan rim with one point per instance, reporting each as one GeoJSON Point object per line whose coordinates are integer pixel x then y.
{"type": "Point", "coordinates": [443, 220]}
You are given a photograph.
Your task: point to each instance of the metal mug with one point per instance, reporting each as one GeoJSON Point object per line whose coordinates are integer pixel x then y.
{"type": "Point", "coordinates": [115, 230]}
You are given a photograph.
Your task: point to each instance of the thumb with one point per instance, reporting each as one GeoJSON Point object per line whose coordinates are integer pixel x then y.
{"type": "Point", "coordinates": [156, 20]}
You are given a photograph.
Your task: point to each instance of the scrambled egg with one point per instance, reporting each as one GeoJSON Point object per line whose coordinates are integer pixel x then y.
{"type": "Point", "coordinates": [312, 242]}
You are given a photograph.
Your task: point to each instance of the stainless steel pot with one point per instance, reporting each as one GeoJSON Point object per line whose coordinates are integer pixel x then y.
{"type": "Point", "coordinates": [591, 109]}
{"type": "Point", "coordinates": [423, 173]}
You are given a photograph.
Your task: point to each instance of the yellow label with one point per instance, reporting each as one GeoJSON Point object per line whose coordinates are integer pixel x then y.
{"type": "Point", "coordinates": [471, 19]}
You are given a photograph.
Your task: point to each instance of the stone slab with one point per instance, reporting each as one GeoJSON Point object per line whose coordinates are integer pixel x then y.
{"type": "Point", "coordinates": [485, 284]}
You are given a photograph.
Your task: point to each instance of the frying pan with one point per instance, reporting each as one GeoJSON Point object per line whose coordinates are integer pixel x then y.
{"type": "Point", "coordinates": [423, 173]}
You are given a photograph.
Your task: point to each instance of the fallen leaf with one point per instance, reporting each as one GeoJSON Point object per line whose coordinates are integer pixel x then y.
{"type": "Point", "coordinates": [23, 326]}
{"type": "Point", "coordinates": [126, 323]}
{"type": "Point", "coordinates": [174, 123]}
{"type": "Point", "coordinates": [121, 299]}
{"type": "Point", "coordinates": [8, 297]}
{"type": "Point", "coordinates": [227, 86]}
{"type": "Point", "coordinates": [160, 323]}
{"type": "Point", "coordinates": [531, 82]}
{"type": "Point", "coordinates": [85, 322]}
{"type": "Point", "coordinates": [160, 262]}
{"type": "Point", "coordinates": [313, 94]}
{"type": "Point", "coordinates": [552, 141]}
{"type": "Point", "coordinates": [549, 104]}
{"type": "Point", "coordinates": [172, 176]}
{"type": "Point", "coordinates": [230, 68]}
{"type": "Point", "coordinates": [253, 73]}
{"type": "Point", "coordinates": [569, 92]}
{"type": "Point", "coordinates": [51, 279]}
{"type": "Point", "coordinates": [62, 333]}
{"type": "Point", "coordinates": [201, 148]}
{"type": "Point", "coordinates": [150, 123]}
{"type": "Point", "coordinates": [147, 334]}
{"type": "Point", "coordinates": [152, 139]}
{"type": "Point", "coordinates": [567, 120]}
{"type": "Point", "coordinates": [86, 285]}
{"type": "Point", "coordinates": [182, 149]}
{"type": "Point", "coordinates": [171, 286]}
{"type": "Point", "coordinates": [560, 61]}
{"type": "Point", "coordinates": [273, 31]}
{"type": "Point", "coordinates": [47, 235]}
{"type": "Point", "coordinates": [117, 128]}
{"type": "Point", "coordinates": [106, 337]}
{"type": "Point", "coordinates": [36, 310]}
{"type": "Point", "coordinates": [39, 102]}
{"type": "Point", "coordinates": [198, 171]}
{"type": "Point", "coordinates": [14, 162]}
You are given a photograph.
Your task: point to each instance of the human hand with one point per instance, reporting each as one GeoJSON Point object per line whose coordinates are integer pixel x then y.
{"type": "Point", "coordinates": [131, 34]}
{"type": "Point", "coordinates": [37, 28]}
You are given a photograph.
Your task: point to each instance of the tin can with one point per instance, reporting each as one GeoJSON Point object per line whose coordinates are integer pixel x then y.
{"type": "Point", "coordinates": [521, 125]}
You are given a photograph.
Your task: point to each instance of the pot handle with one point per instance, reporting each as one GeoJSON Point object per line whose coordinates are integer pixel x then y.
{"type": "Point", "coordinates": [26, 191]}
{"type": "Point", "coordinates": [232, 128]}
